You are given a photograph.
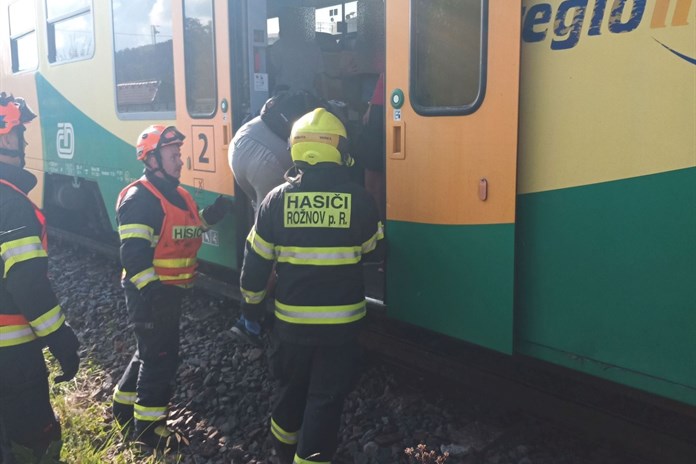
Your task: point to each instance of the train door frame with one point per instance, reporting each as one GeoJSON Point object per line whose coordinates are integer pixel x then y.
{"type": "Point", "coordinates": [204, 116]}
{"type": "Point", "coordinates": [247, 48]}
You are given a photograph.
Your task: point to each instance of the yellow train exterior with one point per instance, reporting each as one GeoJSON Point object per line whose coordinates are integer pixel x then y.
{"type": "Point", "coordinates": [540, 154]}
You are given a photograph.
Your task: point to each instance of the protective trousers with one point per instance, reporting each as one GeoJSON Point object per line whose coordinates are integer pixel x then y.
{"type": "Point", "coordinates": [315, 381]}
{"type": "Point", "coordinates": [26, 417]}
{"type": "Point", "coordinates": [144, 391]}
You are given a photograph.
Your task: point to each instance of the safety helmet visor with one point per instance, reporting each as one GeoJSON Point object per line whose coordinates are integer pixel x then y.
{"type": "Point", "coordinates": [155, 137]}
{"type": "Point", "coordinates": [170, 135]}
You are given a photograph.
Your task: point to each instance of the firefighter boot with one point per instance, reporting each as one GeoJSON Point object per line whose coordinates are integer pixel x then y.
{"type": "Point", "coordinates": [123, 415]}
{"type": "Point", "coordinates": [157, 436]}
{"type": "Point", "coordinates": [248, 332]}
{"type": "Point", "coordinates": [284, 452]}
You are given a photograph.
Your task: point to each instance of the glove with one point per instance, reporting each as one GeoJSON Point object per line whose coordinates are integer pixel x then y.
{"type": "Point", "coordinates": [161, 308]}
{"type": "Point", "coordinates": [215, 212]}
{"type": "Point", "coordinates": [63, 345]}
{"type": "Point", "coordinates": [140, 309]}
{"type": "Point", "coordinates": [153, 309]}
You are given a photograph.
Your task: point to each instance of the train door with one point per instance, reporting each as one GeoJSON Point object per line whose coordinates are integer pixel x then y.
{"type": "Point", "coordinates": [452, 84]}
{"type": "Point", "coordinates": [333, 49]}
{"type": "Point", "coordinates": [202, 64]}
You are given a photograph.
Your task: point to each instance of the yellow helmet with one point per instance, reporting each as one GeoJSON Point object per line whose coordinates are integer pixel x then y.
{"type": "Point", "coordinates": [319, 137]}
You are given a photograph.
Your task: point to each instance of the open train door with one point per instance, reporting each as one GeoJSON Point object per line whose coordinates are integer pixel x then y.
{"type": "Point", "coordinates": [203, 93]}
{"type": "Point", "coordinates": [452, 86]}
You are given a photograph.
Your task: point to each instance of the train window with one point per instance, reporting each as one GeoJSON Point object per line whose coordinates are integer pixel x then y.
{"type": "Point", "coordinates": [272, 28]}
{"type": "Point", "coordinates": [70, 30]}
{"type": "Point", "coordinates": [447, 56]}
{"type": "Point", "coordinates": [143, 59]}
{"type": "Point", "coordinates": [23, 45]}
{"type": "Point", "coordinates": [199, 57]}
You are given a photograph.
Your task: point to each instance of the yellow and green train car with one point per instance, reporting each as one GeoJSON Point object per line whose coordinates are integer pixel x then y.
{"type": "Point", "coordinates": [540, 155]}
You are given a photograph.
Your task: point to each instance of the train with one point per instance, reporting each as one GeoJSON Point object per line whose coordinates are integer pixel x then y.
{"type": "Point", "coordinates": [540, 155]}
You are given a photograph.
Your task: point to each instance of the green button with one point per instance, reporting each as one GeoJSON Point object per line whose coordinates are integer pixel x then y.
{"type": "Point", "coordinates": [224, 105]}
{"type": "Point", "coordinates": [397, 98]}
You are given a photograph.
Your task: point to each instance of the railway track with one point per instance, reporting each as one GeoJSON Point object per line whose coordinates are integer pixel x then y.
{"type": "Point", "coordinates": [652, 429]}
{"type": "Point", "coordinates": [648, 428]}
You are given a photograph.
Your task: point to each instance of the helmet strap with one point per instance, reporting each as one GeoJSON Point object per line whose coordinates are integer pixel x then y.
{"type": "Point", "coordinates": [158, 158]}
{"type": "Point", "coordinates": [14, 154]}
{"type": "Point", "coordinates": [293, 171]}
{"type": "Point", "coordinates": [17, 152]}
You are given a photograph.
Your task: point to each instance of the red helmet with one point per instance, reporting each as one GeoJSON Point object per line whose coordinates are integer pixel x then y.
{"type": "Point", "coordinates": [13, 112]}
{"type": "Point", "coordinates": [155, 137]}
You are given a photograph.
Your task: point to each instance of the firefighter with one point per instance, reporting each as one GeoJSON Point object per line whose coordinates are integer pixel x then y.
{"type": "Point", "coordinates": [317, 228]}
{"type": "Point", "coordinates": [30, 316]}
{"type": "Point", "coordinates": [161, 230]}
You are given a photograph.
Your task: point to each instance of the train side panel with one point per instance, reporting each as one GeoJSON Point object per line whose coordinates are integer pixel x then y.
{"type": "Point", "coordinates": [606, 237]}
{"type": "Point", "coordinates": [85, 139]}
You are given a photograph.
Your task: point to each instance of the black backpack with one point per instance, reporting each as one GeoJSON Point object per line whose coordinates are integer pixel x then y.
{"type": "Point", "coordinates": [282, 110]}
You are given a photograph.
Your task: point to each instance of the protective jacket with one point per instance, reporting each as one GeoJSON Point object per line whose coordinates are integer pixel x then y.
{"type": "Point", "coordinates": [161, 232]}
{"type": "Point", "coordinates": [28, 307]}
{"type": "Point", "coordinates": [30, 318]}
{"type": "Point", "coordinates": [318, 229]}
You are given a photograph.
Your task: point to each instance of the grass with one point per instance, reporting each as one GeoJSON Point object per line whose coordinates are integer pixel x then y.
{"type": "Point", "coordinates": [89, 434]}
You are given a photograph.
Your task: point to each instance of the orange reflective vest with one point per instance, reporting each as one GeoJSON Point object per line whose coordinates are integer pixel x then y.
{"type": "Point", "coordinates": [15, 328]}
{"type": "Point", "coordinates": [181, 236]}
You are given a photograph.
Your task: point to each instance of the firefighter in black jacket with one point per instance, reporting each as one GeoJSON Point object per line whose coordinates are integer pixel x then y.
{"type": "Point", "coordinates": [30, 316]}
{"type": "Point", "coordinates": [317, 227]}
{"type": "Point", "coordinates": [161, 231]}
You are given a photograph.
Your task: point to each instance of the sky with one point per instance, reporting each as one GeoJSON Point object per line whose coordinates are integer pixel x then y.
{"type": "Point", "coordinates": [133, 22]}
{"type": "Point", "coordinates": [321, 15]}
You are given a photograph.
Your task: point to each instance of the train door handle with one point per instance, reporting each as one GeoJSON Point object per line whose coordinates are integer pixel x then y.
{"type": "Point", "coordinates": [398, 138]}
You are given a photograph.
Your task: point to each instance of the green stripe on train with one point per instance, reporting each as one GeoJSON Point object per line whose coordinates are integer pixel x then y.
{"type": "Point", "coordinates": [456, 280]}
{"type": "Point", "coordinates": [606, 280]}
{"type": "Point", "coordinates": [92, 152]}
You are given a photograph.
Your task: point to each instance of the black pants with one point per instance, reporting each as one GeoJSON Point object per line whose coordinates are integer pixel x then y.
{"type": "Point", "coordinates": [314, 381]}
{"type": "Point", "coordinates": [26, 416]}
{"type": "Point", "coordinates": [147, 384]}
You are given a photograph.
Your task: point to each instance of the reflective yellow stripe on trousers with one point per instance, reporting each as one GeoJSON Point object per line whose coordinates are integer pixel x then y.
{"type": "Point", "coordinates": [149, 413]}
{"type": "Point", "coordinates": [289, 438]}
{"type": "Point", "coordinates": [127, 398]}
{"type": "Point", "coordinates": [299, 460]}
{"type": "Point", "coordinates": [253, 297]}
